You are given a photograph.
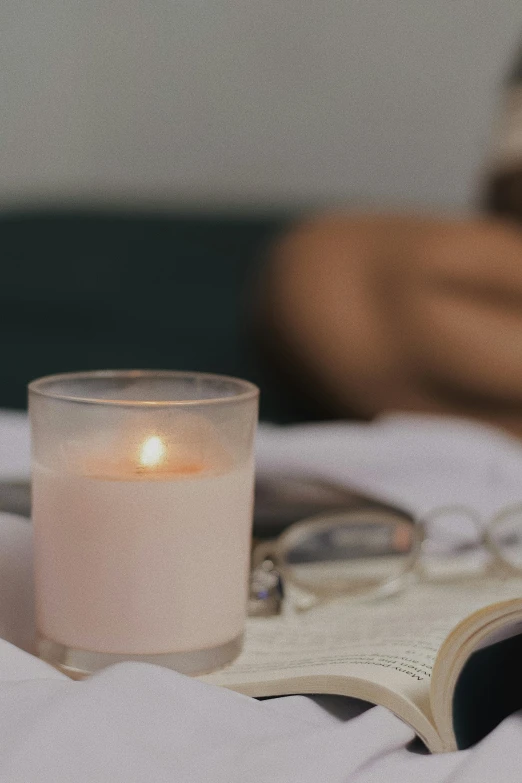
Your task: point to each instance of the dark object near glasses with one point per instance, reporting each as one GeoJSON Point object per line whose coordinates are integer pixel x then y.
{"type": "Point", "coordinates": [15, 497]}
{"type": "Point", "coordinates": [282, 500]}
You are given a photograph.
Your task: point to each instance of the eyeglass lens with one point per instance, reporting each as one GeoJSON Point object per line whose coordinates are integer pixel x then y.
{"type": "Point", "coordinates": [354, 551]}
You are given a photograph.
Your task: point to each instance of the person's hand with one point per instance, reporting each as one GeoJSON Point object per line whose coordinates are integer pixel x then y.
{"type": "Point", "coordinates": [402, 313]}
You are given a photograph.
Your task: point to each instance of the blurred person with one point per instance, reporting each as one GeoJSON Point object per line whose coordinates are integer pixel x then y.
{"type": "Point", "coordinates": [381, 312]}
{"type": "Point", "coordinates": [355, 314]}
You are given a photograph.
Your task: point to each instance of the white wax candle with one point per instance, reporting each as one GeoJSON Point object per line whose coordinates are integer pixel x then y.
{"type": "Point", "coordinates": [143, 558]}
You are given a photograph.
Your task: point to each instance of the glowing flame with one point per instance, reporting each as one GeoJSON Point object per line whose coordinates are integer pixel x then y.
{"type": "Point", "coordinates": [152, 452]}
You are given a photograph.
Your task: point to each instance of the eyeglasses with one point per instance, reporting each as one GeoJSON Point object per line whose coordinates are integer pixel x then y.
{"type": "Point", "coordinates": [373, 553]}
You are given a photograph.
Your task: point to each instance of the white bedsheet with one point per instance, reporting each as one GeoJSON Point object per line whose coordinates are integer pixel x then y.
{"type": "Point", "coordinates": [135, 722]}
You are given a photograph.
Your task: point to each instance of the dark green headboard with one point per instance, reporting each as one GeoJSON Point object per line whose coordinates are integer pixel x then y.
{"type": "Point", "coordinates": [92, 291]}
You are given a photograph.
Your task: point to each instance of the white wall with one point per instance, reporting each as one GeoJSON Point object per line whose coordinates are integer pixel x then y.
{"type": "Point", "coordinates": [250, 101]}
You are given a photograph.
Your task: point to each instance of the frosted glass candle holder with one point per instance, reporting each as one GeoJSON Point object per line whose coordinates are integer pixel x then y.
{"type": "Point", "coordinates": [142, 513]}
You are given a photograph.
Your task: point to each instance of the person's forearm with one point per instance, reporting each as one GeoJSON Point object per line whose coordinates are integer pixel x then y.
{"type": "Point", "coordinates": [330, 298]}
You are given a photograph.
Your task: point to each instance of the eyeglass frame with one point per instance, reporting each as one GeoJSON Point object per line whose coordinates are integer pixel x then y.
{"type": "Point", "coordinates": [412, 570]}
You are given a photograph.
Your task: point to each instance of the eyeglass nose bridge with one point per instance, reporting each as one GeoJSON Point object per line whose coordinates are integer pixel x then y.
{"type": "Point", "coordinates": [448, 532]}
{"type": "Point", "coordinates": [511, 512]}
{"type": "Point", "coordinates": [438, 514]}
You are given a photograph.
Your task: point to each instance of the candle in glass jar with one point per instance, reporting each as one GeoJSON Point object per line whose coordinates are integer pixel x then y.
{"type": "Point", "coordinates": [145, 553]}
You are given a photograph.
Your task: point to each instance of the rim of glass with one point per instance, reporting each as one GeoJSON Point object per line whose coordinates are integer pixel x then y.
{"type": "Point", "coordinates": [39, 387]}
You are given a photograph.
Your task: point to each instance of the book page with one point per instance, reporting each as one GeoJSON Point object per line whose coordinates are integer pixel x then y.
{"type": "Point", "coordinates": [389, 644]}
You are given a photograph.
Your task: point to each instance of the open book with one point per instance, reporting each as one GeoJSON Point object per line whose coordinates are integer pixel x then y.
{"type": "Point", "coordinates": [446, 659]}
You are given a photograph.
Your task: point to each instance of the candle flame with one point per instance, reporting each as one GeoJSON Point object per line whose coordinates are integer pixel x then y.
{"type": "Point", "coordinates": [152, 452]}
